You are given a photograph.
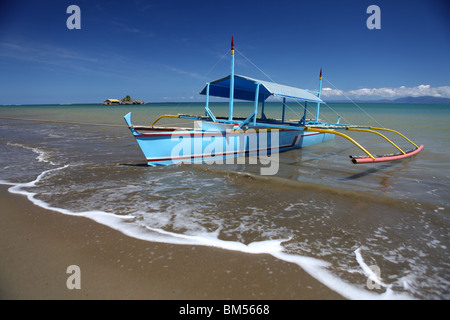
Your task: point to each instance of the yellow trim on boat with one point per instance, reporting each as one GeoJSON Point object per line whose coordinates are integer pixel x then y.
{"type": "Point", "coordinates": [390, 130]}
{"type": "Point", "coordinates": [164, 116]}
{"type": "Point", "coordinates": [372, 131]}
{"type": "Point", "coordinates": [342, 135]}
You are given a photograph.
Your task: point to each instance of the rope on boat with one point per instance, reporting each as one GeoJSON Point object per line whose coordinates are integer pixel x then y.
{"type": "Point", "coordinates": [66, 122]}
{"type": "Point", "coordinates": [356, 104]}
{"type": "Point", "coordinates": [268, 77]}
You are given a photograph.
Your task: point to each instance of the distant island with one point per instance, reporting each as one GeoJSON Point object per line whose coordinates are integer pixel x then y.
{"type": "Point", "coordinates": [423, 100]}
{"type": "Point", "coordinates": [407, 100]}
{"type": "Point", "coordinates": [125, 100]}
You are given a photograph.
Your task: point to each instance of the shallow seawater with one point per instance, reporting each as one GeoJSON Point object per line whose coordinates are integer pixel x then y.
{"type": "Point", "coordinates": [334, 219]}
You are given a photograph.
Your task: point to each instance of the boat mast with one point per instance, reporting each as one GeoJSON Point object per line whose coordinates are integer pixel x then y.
{"type": "Point", "coordinates": [318, 95]}
{"type": "Point", "coordinates": [230, 112]}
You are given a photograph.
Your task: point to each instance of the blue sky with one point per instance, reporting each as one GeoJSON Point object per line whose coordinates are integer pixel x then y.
{"type": "Point", "coordinates": [166, 50]}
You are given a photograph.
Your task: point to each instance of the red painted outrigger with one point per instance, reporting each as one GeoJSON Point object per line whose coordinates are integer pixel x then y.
{"type": "Point", "coordinates": [384, 158]}
{"type": "Point", "coordinates": [369, 158]}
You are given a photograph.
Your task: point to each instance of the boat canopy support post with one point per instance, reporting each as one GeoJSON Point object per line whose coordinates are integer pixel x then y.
{"type": "Point", "coordinates": [303, 120]}
{"type": "Point", "coordinates": [208, 111]}
{"type": "Point", "coordinates": [255, 111]}
{"type": "Point", "coordinates": [284, 110]}
{"type": "Point", "coordinates": [263, 115]}
{"type": "Point", "coordinates": [230, 111]}
{"type": "Point", "coordinates": [318, 95]}
{"type": "Point", "coordinates": [317, 112]}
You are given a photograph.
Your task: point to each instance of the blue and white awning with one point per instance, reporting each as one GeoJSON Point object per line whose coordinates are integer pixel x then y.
{"type": "Point", "coordinates": [245, 88]}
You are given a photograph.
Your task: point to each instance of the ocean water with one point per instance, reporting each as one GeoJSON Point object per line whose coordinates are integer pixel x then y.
{"type": "Point", "coordinates": [378, 231]}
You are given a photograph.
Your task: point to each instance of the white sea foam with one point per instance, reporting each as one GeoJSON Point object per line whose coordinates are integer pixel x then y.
{"type": "Point", "coordinates": [42, 156]}
{"type": "Point", "coordinates": [7, 183]}
{"type": "Point", "coordinates": [371, 275]}
{"type": "Point", "coordinates": [98, 216]}
{"type": "Point", "coordinates": [367, 270]}
{"type": "Point", "coordinates": [136, 228]}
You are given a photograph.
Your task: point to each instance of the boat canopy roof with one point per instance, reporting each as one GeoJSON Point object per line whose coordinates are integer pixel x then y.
{"type": "Point", "coordinates": [245, 88]}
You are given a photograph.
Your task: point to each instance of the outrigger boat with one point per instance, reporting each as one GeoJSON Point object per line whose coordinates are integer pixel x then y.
{"type": "Point", "coordinates": [214, 138]}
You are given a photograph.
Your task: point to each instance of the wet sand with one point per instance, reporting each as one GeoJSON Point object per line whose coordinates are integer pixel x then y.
{"type": "Point", "coordinates": [37, 246]}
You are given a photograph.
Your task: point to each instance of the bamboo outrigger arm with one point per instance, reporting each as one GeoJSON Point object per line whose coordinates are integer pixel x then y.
{"type": "Point", "coordinates": [390, 130]}
{"type": "Point", "coordinates": [164, 116]}
{"type": "Point", "coordinates": [371, 158]}
{"type": "Point", "coordinates": [342, 135]}
{"type": "Point", "coordinates": [381, 135]}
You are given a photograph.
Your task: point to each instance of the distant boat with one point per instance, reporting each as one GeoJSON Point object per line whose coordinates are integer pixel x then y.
{"type": "Point", "coordinates": [218, 138]}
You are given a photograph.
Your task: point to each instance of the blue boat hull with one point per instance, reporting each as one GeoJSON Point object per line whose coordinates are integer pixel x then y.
{"type": "Point", "coordinates": [217, 144]}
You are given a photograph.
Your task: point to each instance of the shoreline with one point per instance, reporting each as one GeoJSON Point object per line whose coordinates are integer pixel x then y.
{"type": "Point", "coordinates": [38, 245]}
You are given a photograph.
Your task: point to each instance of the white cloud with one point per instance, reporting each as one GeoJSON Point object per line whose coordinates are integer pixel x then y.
{"type": "Point", "coordinates": [420, 90]}
{"type": "Point", "coordinates": [332, 92]}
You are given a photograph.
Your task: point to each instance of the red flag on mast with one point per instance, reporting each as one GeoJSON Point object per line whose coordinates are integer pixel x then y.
{"type": "Point", "coordinates": [232, 45]}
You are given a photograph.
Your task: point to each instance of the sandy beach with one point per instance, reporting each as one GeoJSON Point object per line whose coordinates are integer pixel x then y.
{"type": "Point", "coordinates": [38, 245]}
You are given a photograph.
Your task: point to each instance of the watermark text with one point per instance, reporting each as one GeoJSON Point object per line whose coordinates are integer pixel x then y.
{"type": "Point", "coordinates": [74, 20]}
{"type": "Point", "coordinates": [374, 20]}
{"type": "Point", "coordinates": [74, 280]}
{"type": "Point", "coordinates": [228, 147]}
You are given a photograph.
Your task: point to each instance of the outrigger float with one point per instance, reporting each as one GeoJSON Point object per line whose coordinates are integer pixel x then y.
{"type": "Point", "coordinates": [214, 138]}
